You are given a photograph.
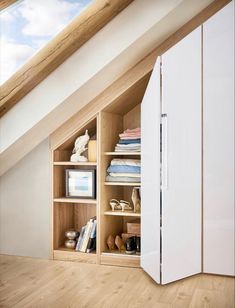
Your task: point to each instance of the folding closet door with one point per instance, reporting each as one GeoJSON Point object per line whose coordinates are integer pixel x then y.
{"type": "Point", "coordinates": [150, 176]}
{"type": "Point", "coordinates": [181, 159]}
{"type": "Point", "coordinates": [218, 144]}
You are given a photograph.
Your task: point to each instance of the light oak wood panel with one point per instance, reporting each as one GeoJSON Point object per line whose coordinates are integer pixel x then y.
{"type": "Point", "coordinates": [63, 220]}
{"type": "Point", "coordinates": [82, 213]}
{"type": "Point", "coordinates": [75, 200]}
{"type": "Point", "coordinates": [122, 153]}
{"type": "Point", "coordinates": [5, 3]}
{"type": "Point", "coordinates": [119, 260]}
{"type": "Point", "coordinates": [66, 255]}
{"type": "Point", "coordinates": [79, 31]}
{"type": "Point", "coordinates": [29, 282]}
{"type": "Point", "coordinates": [132, 118]}
{"type": "Point", "coordinates": [120, 213]}
{"type": "Point", "coordinates": [68, 163]}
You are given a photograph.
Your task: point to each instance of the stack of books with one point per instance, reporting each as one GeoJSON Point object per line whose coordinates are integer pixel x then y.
{"type": "Point", "coordinates": [87, 239]}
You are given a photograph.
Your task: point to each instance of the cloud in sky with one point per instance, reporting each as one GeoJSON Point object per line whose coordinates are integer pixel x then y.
{"type": "Point", "coordinates": [28, 26]}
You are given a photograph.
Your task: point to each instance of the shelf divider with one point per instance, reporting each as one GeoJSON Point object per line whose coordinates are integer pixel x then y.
{"type": "Point", "coordinates": [120, 213]}
{"type": "Point", "coordinates": [74, 200]}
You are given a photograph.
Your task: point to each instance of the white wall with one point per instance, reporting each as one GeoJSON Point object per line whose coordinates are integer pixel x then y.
{"type": "Point", "coordinates": [25, 204]}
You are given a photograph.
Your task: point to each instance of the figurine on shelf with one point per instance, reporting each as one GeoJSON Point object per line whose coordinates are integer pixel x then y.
{"type": "Point", "coordinates": [136, 199]}
{"type": "Point", "coordinates": [79, 148]}
{"type": "Point", "coordinates": [111, 242]}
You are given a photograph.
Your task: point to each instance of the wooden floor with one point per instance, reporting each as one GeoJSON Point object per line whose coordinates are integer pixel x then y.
{"type": "Point", "coordinates": [26, 282]}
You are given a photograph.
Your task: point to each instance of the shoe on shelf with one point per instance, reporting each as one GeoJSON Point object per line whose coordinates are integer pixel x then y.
{"type": "Point", "coordinates": [125, 205]}
{"type": "Point", "coordinates": [114, 204]}
{"type": "Point", "coordinates": [138, 245]}
{"type": "Point", "coordinates": [131, 245]}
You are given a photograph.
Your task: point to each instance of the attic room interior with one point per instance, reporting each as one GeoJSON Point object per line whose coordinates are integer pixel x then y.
{"type": "Point", "coordinates": [117, 153]}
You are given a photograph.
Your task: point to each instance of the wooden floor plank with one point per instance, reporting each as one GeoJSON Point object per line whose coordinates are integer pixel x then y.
{"type": "Point", "coordinates": [27, 282]}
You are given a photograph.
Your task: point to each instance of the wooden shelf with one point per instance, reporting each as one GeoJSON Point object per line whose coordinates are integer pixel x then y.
{"type": "Point", "coordinates": [120, 213]}
{"type": "Point", "coordinates": [122, 153]}
{"type": "Point", "coordinates": [122, 184]}
{"type": "Point", "coordinates": [120, 254]}
{"type": "Point", "coordinates": [69, 163]}
{"type": "Point", "coordinates": [120, 259]}
{"type": "Point", "coordinates": [75, 200]}
{"type": "Point", "coordinates": [66, 254]}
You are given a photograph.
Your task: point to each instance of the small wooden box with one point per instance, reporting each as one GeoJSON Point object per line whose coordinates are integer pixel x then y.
{"type": "Point", "coordinates": [92, 151]}
{"type": "Point", "coordinates": [133, 227]}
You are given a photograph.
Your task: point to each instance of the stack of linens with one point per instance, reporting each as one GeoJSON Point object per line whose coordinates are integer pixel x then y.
{"type": "Point", "coordinates": [129, 141]}
{"type": "Point", "coordinates": [124, 170]}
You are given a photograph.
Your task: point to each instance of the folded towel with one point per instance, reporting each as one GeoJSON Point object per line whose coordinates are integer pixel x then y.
{"type": "Point", "coordinates": [126, 174]}
{"type": "Point", "coordinates": [128, 146]}
{"type": "Point", "coordinates": [137, 149]}
{"type": "Point", "coordinates": [125, 179]}
{"type": "Point", "coordinates": [128, 141]}
{"type": "Point", "coordinates": [124, 169]}
{"type": "Point", "coordinates": [126, 162]}
{"type": "Point", "coordinates": [131, 133]}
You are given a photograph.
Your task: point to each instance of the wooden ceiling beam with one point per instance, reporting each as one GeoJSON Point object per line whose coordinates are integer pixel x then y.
{"type": "Point", "coordinates": [79, 31]}
{"type": "Point", "coordinates": [5, 3]}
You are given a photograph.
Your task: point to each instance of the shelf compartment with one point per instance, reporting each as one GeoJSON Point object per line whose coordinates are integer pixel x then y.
{"type": "Point", "coordinates": [69, 163]}
{"type": "Point", "coordinates": [120, 259]}
{"type": "Point", "coordinates": [120, 213]}
{"type": "Point", "coordinates": [121, 184]}
{"type": "Point", "coordinates": [65, 254]}
{"type": "Point", "coordinates": [75, 200]}
{"type": "Point", "coordinates": [122, 153]}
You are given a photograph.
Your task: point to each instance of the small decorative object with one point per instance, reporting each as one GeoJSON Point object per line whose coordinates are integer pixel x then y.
{"type": "Point", "coordinates": [71, 244]}
{"type": "Point", "coordinates": [136, 199]}
{"type": "Point", "coordinates": [111, 242]}
{"type": "Point", "coordinates": [133, 227]}
{"type": "Point", "coordinates": [92, 150]}
{"type": "Point", "coordinates": [79, 148]}
{"type": "Point", "coordinates": [119, 243]}
{"type": "Point", "coordinates": [80, 183]}
{"type": "Point", "coordinates": [114, 204]}
{"type": "Point", "coordinates": [125, 205]}
{"type": "Point", "coordinates": [71, 234]}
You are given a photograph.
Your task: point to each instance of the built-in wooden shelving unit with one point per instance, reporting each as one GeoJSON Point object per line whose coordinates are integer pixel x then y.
{"type": "Point", "coordinates": [75, 212]}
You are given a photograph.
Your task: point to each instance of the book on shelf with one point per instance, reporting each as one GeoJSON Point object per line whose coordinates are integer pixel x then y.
{"type": "Point", "coordinates": [87, 238]}
{"type": "Point", "coordinates": [92, 240]}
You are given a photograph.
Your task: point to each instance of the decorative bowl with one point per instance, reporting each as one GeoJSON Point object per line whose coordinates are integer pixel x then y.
{"type": "Point", "coordinates": [70, 244]}
{"type": "Point", "coordinates": [71, 234]}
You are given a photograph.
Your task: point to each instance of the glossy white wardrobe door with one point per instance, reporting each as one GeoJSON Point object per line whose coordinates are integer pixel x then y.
{"type": "Point", "coordinates": [150, 176]}
{"type": "Point", "coordinates": [181, 194]}
{"type": "Point", "coordinates": [218, 54]}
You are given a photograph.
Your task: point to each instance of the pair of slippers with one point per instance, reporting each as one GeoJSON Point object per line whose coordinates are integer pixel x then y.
{"type": "Point", "coordinates": [120, 205]}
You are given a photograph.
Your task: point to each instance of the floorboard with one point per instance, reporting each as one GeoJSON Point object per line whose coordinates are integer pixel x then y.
{"type": "Point", "coordinates": [28, 282]}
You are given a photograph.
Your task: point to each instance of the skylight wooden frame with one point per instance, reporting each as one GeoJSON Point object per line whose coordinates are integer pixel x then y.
{"type": "Point", "coordinates": [79, 31]}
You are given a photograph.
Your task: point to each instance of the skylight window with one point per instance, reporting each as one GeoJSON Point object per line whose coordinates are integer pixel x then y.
{"type": "Point", "coordinates": [28, 25]}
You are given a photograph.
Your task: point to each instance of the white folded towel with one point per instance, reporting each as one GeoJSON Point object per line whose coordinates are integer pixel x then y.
{"type": "Point", "coordinates": [126, 162]}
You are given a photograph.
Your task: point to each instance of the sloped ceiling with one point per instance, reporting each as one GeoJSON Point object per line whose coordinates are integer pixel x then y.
{"type": "Point", "coordinates": [98, 64]}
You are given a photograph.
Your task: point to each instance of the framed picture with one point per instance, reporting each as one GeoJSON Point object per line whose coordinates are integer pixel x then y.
{"type": "Point", "coordinates": [80, 183]}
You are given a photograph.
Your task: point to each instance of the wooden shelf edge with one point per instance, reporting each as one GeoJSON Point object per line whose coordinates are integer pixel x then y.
{"type": "Point", "coordinates": [122, 153]}
{"type": "Point", "coordinates": [117, 259]}
{"type": "Point", "coordinates": [122, 184]}
{"type": "Point", "coordinates": [75, 200]}
{"type": "Point", "coordinates": [68, 163]}
{"type": "Point", "coordinates": [120, 213]}
{"type": "Point", "coordinates": [63, 254]}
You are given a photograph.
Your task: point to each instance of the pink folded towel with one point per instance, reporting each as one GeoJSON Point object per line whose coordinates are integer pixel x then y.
{"type": "Point", "coordinates": [131, 134]}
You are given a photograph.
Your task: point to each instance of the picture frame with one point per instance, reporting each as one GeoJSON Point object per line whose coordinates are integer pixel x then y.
{"type": "Point", "coordinates": [80, 183]}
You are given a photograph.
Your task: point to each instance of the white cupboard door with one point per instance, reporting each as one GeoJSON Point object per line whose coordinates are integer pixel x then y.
{"type": "Point", "coordinates": [150, 176]}
{"type": "Point", "coordinates": [181, 174]}
{"type": "Point", "coordinates": [218, 189]}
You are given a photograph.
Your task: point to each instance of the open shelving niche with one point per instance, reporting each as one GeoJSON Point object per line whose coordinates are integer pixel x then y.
{"type": "Point", "coordinates": [114, 119]}
{"type": "Point", "coordinates": [122, 113]}
{"type": "Point", "coordinates": [71, 213]}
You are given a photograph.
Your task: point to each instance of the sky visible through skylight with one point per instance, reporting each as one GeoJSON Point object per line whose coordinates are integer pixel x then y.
{"type": "Point", "coordinates": [28, 25]}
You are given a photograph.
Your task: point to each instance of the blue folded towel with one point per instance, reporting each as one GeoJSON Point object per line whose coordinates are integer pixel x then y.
{"type": "Point", "coordinates": [123, 169]}
{"type": "Point", "coordinates": [125, 141]}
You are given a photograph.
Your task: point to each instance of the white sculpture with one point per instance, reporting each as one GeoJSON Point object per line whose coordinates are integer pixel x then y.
{"type": "Point", "coordinates": [79, 148]}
